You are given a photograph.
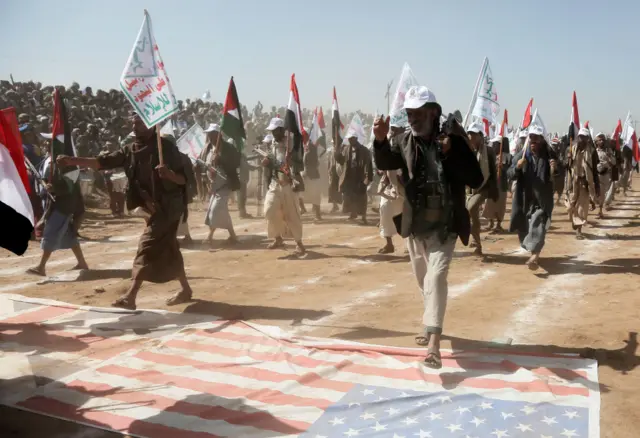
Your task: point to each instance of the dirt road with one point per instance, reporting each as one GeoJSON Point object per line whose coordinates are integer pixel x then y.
{"type": "Point", "coordinates": [586, 294]}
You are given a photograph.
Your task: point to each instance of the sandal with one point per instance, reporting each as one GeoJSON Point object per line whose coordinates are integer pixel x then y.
{"type": "Point", "coordinates": [124, 303]}
{"type": "Point", "coordinates": [386, 250]}
{"type": "Point", "coordinates": [36, 271]}
{"type": "Point", "coordinates": [433, 359]}
{"type": "Point", "coordinates": [423, 339]}
{"type": "Point", "coordinates": [179, 298]}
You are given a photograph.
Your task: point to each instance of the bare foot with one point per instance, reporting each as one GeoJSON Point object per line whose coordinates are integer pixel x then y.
{"type": "Point", "coordinates": [79, 267]}
{"type": "Point", "coordinates": [232, 240]}
{"type": "Point", "coordinates": [478, 251]}
{"type": "Point", "coordinates": [125, 302]}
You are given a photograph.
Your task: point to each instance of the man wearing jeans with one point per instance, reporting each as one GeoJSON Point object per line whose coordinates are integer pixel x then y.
{"type": "Point", "coordinates": [436, 166]}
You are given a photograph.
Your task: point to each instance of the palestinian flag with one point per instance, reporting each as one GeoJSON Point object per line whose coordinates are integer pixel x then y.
{"type": "Point", "coordinates": [527, 119]}
{"type": "Point", "coordinates": [293, 116]}
{"type": "Point", "coordinates": [15, 207]}
{"type": "Point", "coordinates": [232, 124]}
{"type": "Point", "coordinates": [574, 124]}
{"type": "Point", "coordinates": [61, 142]}
{"type": "Point", "coordinates": [335, 120]}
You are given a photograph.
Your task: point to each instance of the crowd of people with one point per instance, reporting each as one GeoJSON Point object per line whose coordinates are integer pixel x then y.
{"type": "Point", "coordinates": [430, 183]}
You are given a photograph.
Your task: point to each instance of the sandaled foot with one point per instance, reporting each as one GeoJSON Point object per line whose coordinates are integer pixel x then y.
{"type": "Point", "coordinates": [124, 303]}
{"type": "Point", "coordinates": [36, 271]}
{"type": "Point", "coordinates": [179, 298]}
{"type": "Point", "coordinates": [79, 267]}
{"type": "Point", "coordinates": [231, 241]}
{"type": "Point", "coordinates": [433, 359]}
{"type": "Point", "coordinates": [387, 249]}
{"type": "Point", "coordinates": [300, 250]}
{"type": "Point", "coordinates": [532, 263]}
{"type": "Point", "coordinates": [423, 339]}
{"type": "Point", "coordinates": [278, 243]}
{"type": "Point", "coordinates": [478, 251]}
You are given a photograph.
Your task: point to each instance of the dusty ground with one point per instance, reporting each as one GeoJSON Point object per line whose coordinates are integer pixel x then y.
{"type": "Point", "coordinates": [586, 294]}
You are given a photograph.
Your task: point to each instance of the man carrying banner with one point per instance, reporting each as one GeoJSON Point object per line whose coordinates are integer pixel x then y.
{"type": "Point", "coordinates": [281, 207]}
{"type": "Point", "coordinates": [532, 204]}
{"type": "Point", "coordinates": [159, 190]}
{"type": "Point", "coordinates": [436, 166]}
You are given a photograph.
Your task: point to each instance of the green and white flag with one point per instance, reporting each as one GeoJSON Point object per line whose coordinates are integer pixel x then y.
{"type": "Point", "coordinates": [396, 112]}
{"type": "Point", "coordinates": [145, 81]}
{"type": "Point", "coordinates": [486, 106]}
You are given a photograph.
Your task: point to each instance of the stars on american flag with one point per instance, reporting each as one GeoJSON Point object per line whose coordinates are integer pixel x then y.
{"type": "Point", "coordinates": [414, 414]}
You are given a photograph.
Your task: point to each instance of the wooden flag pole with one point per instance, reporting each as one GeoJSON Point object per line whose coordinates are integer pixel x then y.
{"type": "Point", "coordinates": [160, 155]}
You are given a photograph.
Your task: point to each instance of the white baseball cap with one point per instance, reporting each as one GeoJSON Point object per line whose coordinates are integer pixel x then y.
{"type": "Point", "coordinates": [496, 139]}
{"type": "Point", "coordinates": [477, 128]}
{"type": "Point", "coordinates": [536, 130]}
{"type": "Point", "coordinates": [275, 123]}
{"type": "Point", "coordinates": [601, 134]}
{"type": "Point", "coordinates": [585, 132]}
{"type": "Point", "coordinates": [523, 134]}
{"type": "Point", "coordinates": [418, 96]}
{"type": "Point", "coordinates": [213, 127]}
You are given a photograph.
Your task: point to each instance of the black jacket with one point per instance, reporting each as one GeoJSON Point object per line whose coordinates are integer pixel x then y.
{"type": "Point", "coordinates": [460, 167]}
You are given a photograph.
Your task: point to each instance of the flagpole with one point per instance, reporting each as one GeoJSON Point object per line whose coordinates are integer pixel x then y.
{"type": "Point", "coordinates": [160, 155]}
{"type": "Point", "coordinates": [475, 92]}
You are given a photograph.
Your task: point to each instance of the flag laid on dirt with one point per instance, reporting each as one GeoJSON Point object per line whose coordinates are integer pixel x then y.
{"type": "Point", "coordinates": [145, 81]}
{"type": "Point", "coordinates": [232, 124]}
{"type": "Point", "coordinates": [206, 379]}
{"type": "Point", "coordinates": [15, 207]}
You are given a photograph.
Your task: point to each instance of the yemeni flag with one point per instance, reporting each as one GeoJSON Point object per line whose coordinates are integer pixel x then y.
{"type": "Point", "coordinates": [335, 120]}
{"type": "Point", "coordinates": [61, 142]}
{"type": "Point", "coordinates": [232, 124]}
{"type": "Point", "coordinates": [293, 117]}
{"type": "Point", "coordinates": [527, 119]}
{"type": "Point", "coordinates": [616, 134]}
{"type": "Point", "coordinates": [505, 123]}
{"type": "Point", "coordinates": [15, 206]}
{"type": "Point", "coordinates": [321, 123]}
{"type": "Point", "coordinates": [574, 124]}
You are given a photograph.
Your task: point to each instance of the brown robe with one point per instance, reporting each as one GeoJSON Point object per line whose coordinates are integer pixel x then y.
{"type": "Point", "coordinates": [158, 259]}
{"type": "Point", "coordinates": [357, 173]}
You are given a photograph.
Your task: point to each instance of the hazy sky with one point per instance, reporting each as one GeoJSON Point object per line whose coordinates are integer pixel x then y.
{"type": "Point", "coordinates": [542, 49]}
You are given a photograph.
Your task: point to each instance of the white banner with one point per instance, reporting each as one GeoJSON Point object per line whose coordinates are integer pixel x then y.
{"type": "Point", "coordinates": [356, 128]}
{"type": "Point", "coordinates": [192, 142]}
{"type": "Point", "coordinates": [486, 104]}
{"type": "Point", "coordinates": [397, 112]}
{"type": "Point", "coordinates": [144, 80]}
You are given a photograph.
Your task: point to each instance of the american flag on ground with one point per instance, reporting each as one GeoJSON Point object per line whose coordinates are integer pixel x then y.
{"type": "Point", "coordinates": [235, 379]}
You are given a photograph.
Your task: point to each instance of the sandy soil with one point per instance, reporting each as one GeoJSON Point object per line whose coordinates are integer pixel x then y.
{"type": "Point", "coordinates": [584, 299]}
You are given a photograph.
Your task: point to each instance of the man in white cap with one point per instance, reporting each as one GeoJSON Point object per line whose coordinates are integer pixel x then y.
{"type": "Point", "coordinates": [281, 206]}
{"type": "Point", "coordinates": [480, 194]}
{"type": "Point", "coordinates": [606, 162]}
{"type": "Point", "coordinates": [584, 184]}
{"type": "Point", "coordinates": [437, 164]}
{"type": "Point", "coordinates": [357, 173]}
{"type": "Point", "coordinates": [222, 161]}
{"type": "Point", "coordinates": [532, 203]}
{"type": "Point", "coordinates": [494, 210]}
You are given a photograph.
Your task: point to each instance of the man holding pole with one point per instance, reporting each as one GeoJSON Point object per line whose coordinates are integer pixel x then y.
{"type": "Point", "coordinates": [281, 207]}
{"type": "Point", "coordinates": [156, 185]}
